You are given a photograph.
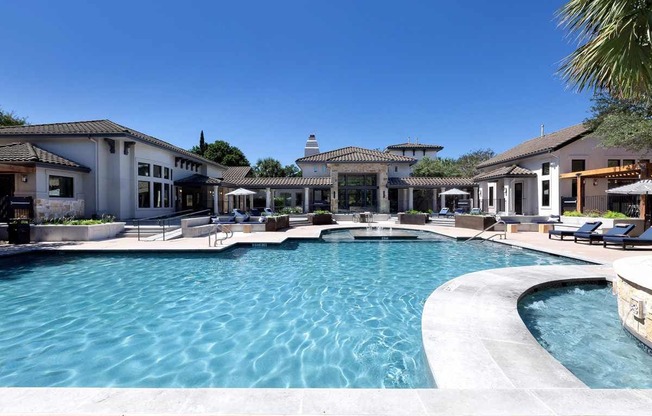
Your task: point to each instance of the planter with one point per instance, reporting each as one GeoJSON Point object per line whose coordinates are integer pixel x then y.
{"type": "Point", "coordinates": [474, 222]}
{"type": "Point", "coordinates": [277, 223]}
{"type": "Point", "coordinates": [414, 219]}
{"type": "Point", "coordinates": [607, 223]}
{"type": "Point", "coordinates": [320, 219]}
{"type": "Point", "coordinates": [48, 232]}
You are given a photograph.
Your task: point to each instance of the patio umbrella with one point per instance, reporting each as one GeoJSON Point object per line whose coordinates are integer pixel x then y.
{"type": "Point", "coordinates": [241, 192]}
{"type": "Point", "coordinates": [456, 192]}
{"type": "Point", "coordinates": [638, 188]}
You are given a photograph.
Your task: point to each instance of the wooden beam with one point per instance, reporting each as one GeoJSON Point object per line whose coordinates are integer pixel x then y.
{"type": "Point", "coordinates": [580, 194]}
{"type": "Point", "coordinates": [6, 168]}
{"type": "Point", "coordinates": [603, 172]}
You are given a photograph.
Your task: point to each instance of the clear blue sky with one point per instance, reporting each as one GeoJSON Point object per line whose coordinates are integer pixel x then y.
{"type": "Point", "coordinates": [263, 75]}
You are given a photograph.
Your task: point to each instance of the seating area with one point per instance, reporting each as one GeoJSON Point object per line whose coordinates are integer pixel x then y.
{"type": "Point", "coordinates": [616, 236]}
{"type": "Point", "coordinates": [619, 230]}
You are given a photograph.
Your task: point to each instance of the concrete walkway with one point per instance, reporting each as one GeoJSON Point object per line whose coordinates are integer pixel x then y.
{"type": "Point", "coordinates": [484, 359]}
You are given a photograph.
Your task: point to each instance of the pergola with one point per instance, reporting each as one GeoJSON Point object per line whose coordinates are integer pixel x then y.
{"type": "Point", "coordinates": [635, 171]}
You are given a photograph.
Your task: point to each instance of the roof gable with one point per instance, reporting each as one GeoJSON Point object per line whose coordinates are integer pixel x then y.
{"type": "Point", "coordinates": [513, 171]}
{"type": "Point", "coordinates": [25, 152]}
{"type": "Point", "coordinates": [538, 145]}
{"type": "Point", "coordinates": [354, 154]}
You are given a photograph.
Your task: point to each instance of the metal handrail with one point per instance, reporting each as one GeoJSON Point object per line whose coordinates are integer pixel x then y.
{"type": "Point", "coordinates": [220, 228]}
{"type": "Point", "coordinates": [165, 221]}
{"type": "Point", "coordinates": [504, 234]}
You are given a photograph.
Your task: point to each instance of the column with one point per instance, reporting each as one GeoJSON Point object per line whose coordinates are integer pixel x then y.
{"type": "Point", "coordinates": [268, 198]}
{"type": "Point", "coordinates": [442, 198]}
{"type": "Point", "coordinates": [251, 202]}
{"type": "Point", "coordinates": [579, 206]}
{"type": "Point", "coordinates": [306, 199]}
{"type": "Point", "coordinates": [410, 198]}
{"type": "Point", "coordinates": [476, 198]}
{"type": "Point", "coordinates": [216, 206]}
{"type": "Point", "coordinates": [434, 200]}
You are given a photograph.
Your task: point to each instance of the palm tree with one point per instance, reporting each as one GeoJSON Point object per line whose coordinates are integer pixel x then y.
{"type": "Point", "coordinates": [615, 52]}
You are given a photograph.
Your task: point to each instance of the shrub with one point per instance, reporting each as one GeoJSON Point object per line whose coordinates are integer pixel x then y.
{"type": "Point", "coordinates": [413, 211]}
{"type": "Point", "coordinates": [321, 212]}
{"type": "Point", "coordinates": [614, 214]}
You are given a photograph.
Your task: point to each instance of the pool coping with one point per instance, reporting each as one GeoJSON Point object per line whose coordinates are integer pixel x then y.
{"type": "Point", "coordinates": [480, 368]}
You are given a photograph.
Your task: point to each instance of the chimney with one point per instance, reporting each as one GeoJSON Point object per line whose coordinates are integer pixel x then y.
{"type": "Point", "coordinates": [312, 147]}
{"type": "Point", "coordinates": [543, 131]}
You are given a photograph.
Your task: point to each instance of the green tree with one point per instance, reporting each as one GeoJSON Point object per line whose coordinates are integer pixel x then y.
{"type": "Point", "coordinates": [202, 143]}
{"type": "Point", "coordinates": [622, 122]}
{"type": "Point", "coordinates": [268, 168]}
{"type": "Point", "coordinates": [468, 161]}
{"type": "Point", "coordinates": [11, 119]}
{"type": "Point", "coordinates": [223, 153]}
{"type": "Point", "coordinates": [440, 167]}
{"type": "Point", "coordinates": [292, 171]}
{"type": "Point", "coordinates": [615, 46]}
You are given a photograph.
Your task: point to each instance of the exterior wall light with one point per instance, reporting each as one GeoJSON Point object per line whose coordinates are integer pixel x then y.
{"type": "Point", "coordinates": [24, 178]}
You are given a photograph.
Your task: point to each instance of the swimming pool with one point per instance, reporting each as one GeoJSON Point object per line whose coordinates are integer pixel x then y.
{"type": "Point", "coordinates": [580, 327]}
{"type": "Point", "coordinates": [309, 314]}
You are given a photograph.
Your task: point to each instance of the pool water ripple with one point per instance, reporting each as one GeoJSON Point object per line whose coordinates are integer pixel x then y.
{"type": "Point", "coordinates": [300, 315]}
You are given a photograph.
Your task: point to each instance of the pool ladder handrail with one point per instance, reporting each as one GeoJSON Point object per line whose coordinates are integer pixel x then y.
{"type": "Point", "coordinates": [502, 235]}
{"type": "Point", "coordinates": [219, 228]}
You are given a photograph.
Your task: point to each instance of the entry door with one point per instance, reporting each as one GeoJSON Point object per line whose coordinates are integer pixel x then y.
{"type": "Point", "coordinates": [518, 198]}
{"type": "Point", "coordinates": [6, 192]}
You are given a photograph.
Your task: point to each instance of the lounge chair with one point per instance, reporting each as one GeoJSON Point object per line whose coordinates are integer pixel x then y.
{"type": "Point", "coordinates": [619, 230]}
{"type": "Point", "coordinates": [553, 219]}
{"type": "Point", "coordinates": [445, 212]}
{"type": "Point", "coordinates": [240, 216]}
{"type": "Point", "coordinates": [223, 220]}
{"type": "Point", "coordinates": [587, 227]}
{"type": "Point", "coordinates": [644, 239]}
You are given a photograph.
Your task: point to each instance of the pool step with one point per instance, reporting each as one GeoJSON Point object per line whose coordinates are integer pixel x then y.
{"type": "Point", "coordinates": [146, 231]}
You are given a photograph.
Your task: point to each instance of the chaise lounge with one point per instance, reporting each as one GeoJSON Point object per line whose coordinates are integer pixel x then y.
{"type": "Point", "coordinates": [644, 239]}
{"type": "Point", "coordinates": [619, 230]}
{"type": "Point", "coordinates": [587, 227]}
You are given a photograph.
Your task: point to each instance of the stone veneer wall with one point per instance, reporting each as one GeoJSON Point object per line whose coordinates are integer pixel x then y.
{"type": "Point", "coordinates": [56, 208]}
{"type": "Point", "coordinates": [360, 168]}
{"type": "Point", "coordinates": [635, 283]}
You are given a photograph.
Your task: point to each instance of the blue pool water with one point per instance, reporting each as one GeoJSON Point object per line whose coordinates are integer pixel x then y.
{"type": "Point", "coordinates": [314, 314]}
{"type": "Point", "coordinates": [579, 326]}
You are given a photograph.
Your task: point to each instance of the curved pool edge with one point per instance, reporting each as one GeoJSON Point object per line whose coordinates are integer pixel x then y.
{"type": "Point", "coordinates": [474, 337]}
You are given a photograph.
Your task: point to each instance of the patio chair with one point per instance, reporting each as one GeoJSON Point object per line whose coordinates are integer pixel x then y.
{"type": "Point", "coordinates": [445, 212]}
{"type": "Point", "coordinates": [240, 216]}
{"type": "Point", "coordinates": [587, 227]}
{"type": "Point", "coordinates": [644, 239]}
{"type": "Point", "coordinates": [619, 230]}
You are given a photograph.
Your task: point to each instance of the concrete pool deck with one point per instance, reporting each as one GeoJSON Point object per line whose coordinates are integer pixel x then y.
{"type": "Point", "coordinates": [486, 365]}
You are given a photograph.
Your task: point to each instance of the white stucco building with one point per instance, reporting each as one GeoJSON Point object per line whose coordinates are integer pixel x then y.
{"type": "Point", "coordinates": [91, 168]}
{"type": "Point", "coordinates": [527, 178]}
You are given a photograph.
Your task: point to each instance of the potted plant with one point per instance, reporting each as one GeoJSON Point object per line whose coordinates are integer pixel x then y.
{"type": "Point", "coordinates": [474, 221]}
{"type": "Point", "coordinates": [277, 222]}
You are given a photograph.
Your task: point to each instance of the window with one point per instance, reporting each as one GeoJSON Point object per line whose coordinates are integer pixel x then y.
{"type": "Point", "coordinates": [545, 193]}
{"type": "Point", "coordinates": [157, 171]}
{"type": "Point", "coordinates": [424, 152]}
{"type": "Point", "coordinates": [414, 152]}
{"type": "Point", "coordinates": [60, 187]}
{"type": "Point", "coordinates": [166, 195]}
{"type": "Point", "coordinates": [491, 196]}
{"type": "Point", "coordinates": [143, 169]}
{"type": "Point", "coordinates": [627, 162]}
{"type": "Point", "coordinates": [158, 195]}
{"type": "Point", "coordinates": [644, 161]}
{"type": "Point", "coordinates": [166, 173]}
{"type": "Point", "coordinates": [613, 163]}
{"type": "Point", "coordinates": [395, 168]}
{"type": "Point", "coordinates": [143, 194]}
{"type": "Point", "coordinates": [578, 165]}
{"type": "Point", "coordinates": [545, 169]}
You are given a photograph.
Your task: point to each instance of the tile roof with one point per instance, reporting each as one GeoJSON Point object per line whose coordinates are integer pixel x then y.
{"type": "Point", "coordinates": [234, 173]}
{"type": "Point", "coordinates": [198, 179]}
{"type": "Point", "coordinates": [280, 182]}
{"type": "Point", "coordinates": [428, 182]}
{"type": "Point", "coordinates": [93, 127]}
{"type": "Point", "coordinates": [410, 146]}
{"type": "Point", "coordinates": [513, 171]}
{"type": "Point", "coordinates": [25, 152]}
{"type": "Point", "coordinates": [538, 145]}
{"type": "Point", "coordinates": [354, 154]}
